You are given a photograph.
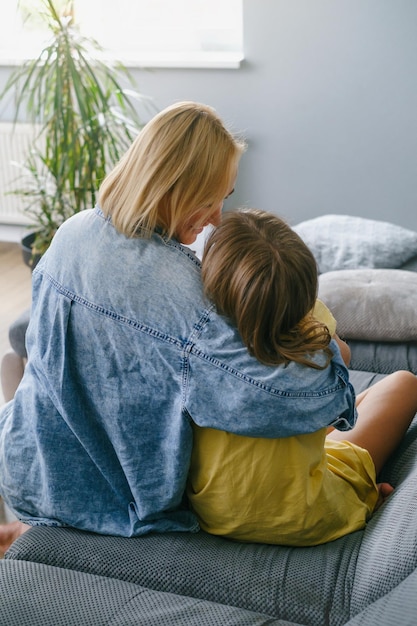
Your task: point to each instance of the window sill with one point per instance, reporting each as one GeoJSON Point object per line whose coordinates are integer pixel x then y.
{"type": "Point", "coordinates": [166, 60]}
{"type": "Point", "coordinates": [188, 60]}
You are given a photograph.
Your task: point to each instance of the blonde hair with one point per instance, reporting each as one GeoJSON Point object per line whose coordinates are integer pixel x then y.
{"type": "Point", "coordinates": [261, 274]}
{"type": "Point", "coordinates": [182, 161]}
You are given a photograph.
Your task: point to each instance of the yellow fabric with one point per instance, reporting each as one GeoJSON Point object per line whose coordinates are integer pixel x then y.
{"type": "Point", "coordinates": [322, 313]}
{"type": "Point", "coordinates": [300, 491]}
{"type": "Point", "coordinates": [297, 491]}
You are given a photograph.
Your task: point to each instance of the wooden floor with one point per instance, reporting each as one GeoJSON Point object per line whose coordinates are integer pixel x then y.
{"type": "Point", "coordinates": [15, 290]}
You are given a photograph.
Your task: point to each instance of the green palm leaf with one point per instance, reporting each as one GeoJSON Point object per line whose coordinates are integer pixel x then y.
{"type": "Point", "coordinates": [87, 114]}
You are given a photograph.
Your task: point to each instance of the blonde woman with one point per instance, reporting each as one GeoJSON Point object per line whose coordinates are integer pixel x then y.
{"type": "Point", "coordinates": [98, 435]}
{"type": "Point", "coordinates": [125, 353]}
{"type": "Point", "coordinates": [311, 488]}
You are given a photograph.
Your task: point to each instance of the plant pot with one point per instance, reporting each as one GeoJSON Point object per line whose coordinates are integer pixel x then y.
{"type": "Point", "coordinates": [29, 258]}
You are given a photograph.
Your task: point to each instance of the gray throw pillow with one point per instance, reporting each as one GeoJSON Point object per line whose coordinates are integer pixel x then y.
{"type": "Point", "coordinates": [372, 304]}
{"type": "Point", "coordinates": [349, 242]}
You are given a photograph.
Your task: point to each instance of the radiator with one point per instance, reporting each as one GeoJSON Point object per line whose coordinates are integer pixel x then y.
{"type": "Point", "coordinates": [14, 143]}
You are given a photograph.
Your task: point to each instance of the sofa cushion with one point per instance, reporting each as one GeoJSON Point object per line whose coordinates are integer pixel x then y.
{"type": "Point", "coordinates": [349, 242]}
{"type": "Point", "coordinates": [319, 586]}
{"type": "Point", "coordinates": [302, 585]}
{"type": "Point", "coordinates": [388, 553]}
{"type": "Point", "coordinates": [372, 304]}
{"type": "Point", "coordinates": [399, 606]}
{"type": "Point", "coordinates": [33, 594]}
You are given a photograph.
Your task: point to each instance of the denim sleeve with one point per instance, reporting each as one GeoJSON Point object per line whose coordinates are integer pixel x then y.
{"type": "Point", "coordinates": [226, 388]}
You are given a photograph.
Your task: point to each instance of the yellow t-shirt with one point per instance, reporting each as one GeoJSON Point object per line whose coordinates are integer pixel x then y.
{"type": "Point", "coordinates": [300, 491]}
{"type": "Point", "coordinates": [323, 314]}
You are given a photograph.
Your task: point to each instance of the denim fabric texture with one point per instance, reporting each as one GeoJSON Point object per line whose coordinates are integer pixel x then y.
{"type": "Point", "coordinates": [124, 351]}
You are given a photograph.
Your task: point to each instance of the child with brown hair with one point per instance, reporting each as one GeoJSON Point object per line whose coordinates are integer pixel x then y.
{"type": "Point", "coordinates": [299, 490]}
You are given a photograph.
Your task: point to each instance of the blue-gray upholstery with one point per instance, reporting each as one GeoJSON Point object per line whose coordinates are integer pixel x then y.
{"type": "Point", "coordinates": [398, 607]}
{"type": "Point", "coordinates": [55, 577]}
{"type": "Point", "coordinates": [306, 585]}
{"type": "Point", "coordinates": [383, 357]}
{"type": "Point", "coordinates": [33, 594]}
{"type": "Point", "coordinates": [341, 242]}
{"type": "Point", "coordinates": [318, 586]}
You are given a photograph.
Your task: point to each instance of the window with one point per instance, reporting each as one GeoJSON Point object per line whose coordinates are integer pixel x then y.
{"type": "Point", "coordinates": [168, 33]}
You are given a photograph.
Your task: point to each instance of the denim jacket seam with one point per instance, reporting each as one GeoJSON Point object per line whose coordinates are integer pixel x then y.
{"type": "Point", "coordinates": [168, 241]}
{"type": "Point", "coordinates": [188, 348]}
{"type": "Point", "coordinates": [98, 211]}
{"type": "Point", "coordinates": [153, 332]}
{"type": "Point", "coordinates": [341, 373]}
{"type": "Point", "coordinates": [260, 385]}
{"type": "Point", "coordinates": [183, 250]}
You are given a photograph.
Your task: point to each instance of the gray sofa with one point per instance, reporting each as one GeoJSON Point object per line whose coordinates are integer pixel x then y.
{"type": "Point", "coordinates": [368, 278]}
{"type": "Point", "coordinates": [56, 576]}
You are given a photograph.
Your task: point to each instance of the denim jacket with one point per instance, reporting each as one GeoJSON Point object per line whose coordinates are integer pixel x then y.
{"type": "Point", "coordinates": [124, 352]}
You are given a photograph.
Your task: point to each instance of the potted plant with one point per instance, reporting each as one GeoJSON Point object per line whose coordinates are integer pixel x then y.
{"type": "Point", "coordinates": [86, 113]}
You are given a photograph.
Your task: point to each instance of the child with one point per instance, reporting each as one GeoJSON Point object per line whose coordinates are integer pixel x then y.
{"type": "Point", "coordinates": [300, 490]}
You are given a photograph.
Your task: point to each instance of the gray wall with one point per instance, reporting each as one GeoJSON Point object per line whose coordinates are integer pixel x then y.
{"type": "Point", "coordinates": [327, 99]}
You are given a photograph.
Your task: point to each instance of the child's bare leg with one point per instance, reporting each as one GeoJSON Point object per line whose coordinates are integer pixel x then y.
{"type": "Point", "coordinates": [385, 411]}
{"type": "Point", "coordinates": [9, 533]}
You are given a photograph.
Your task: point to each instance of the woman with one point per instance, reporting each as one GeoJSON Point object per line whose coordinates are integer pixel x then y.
{"type": "Point", "coordinates": [125, 352]}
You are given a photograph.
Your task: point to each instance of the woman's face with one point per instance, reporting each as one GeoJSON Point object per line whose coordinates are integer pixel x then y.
{"type": "Point", "coordinates": [187, 233]}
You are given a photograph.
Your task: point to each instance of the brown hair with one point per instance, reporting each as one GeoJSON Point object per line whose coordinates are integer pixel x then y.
{"type": "Point", "coordinates": [182, 161]}
{"type": "Point", "coordinates": [260, 273]}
